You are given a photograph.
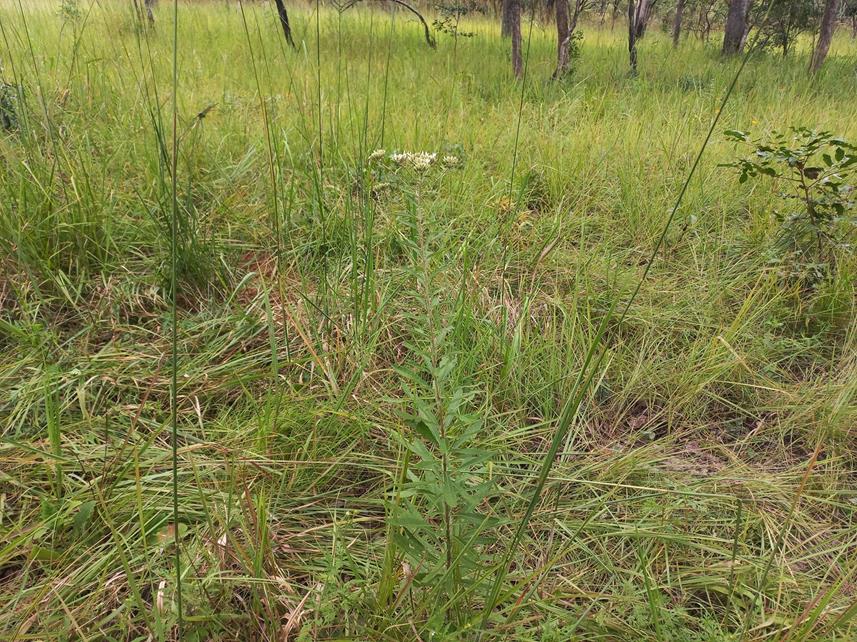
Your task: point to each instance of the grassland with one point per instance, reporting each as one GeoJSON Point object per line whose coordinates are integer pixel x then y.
{"type": "Point", "coordinates": [706, 489]}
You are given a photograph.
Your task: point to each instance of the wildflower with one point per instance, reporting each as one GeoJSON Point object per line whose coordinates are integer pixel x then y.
{"type": "Point", "coordinates": [400, 158]}
{"type": "Point", "coordinates": [451, 160]}
{"type": "Point", "coordinates": [377, 155]}
{"type": "Point", "coordinates": [423, 160]}
{"type": "Point", "coordinates": [379, 188]}
{"type": "Point", "coordinates": [416, 160]}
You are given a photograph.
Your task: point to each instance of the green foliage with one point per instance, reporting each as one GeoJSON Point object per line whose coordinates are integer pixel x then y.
{"type": "Point", "coordinates": [440, 522]}
{"type": "Point", "coordinates": [8, 106]}
{"type": "Point", "coordinates": [316, 287]}
{"type": "Point", "coordinates": [575, 47]}
{"type": "Point", "coordinates": [575, 42]}
{"type": "Point", "coordinates": [69, 11]}
{"type": "Point", "coordinates": [816, 170]}
{"type": "Point", "coordinates": [450, 15]}
{"type": "Point", "coordinates": [783, 21]}
{"type": "Point", "coordinates": [440, 525]}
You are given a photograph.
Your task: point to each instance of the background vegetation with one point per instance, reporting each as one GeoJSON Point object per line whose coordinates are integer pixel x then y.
{"type": "Point", "coordinates": [374, 350]}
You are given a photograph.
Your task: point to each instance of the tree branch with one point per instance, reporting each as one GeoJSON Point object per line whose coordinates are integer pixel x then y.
{"type": "Point", "coordinates": [426, 29]}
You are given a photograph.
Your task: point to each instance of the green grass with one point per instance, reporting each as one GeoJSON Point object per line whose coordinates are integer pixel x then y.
{"type": "Point", "coordinates": [332, 312]}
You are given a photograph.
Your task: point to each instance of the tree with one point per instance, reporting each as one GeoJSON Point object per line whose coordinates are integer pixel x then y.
{"type": "Point", "coordinates": [644, 12]}
{"type": "Point", "coordinates": [565, 33]}
{"type": "Point", "coordinates": [851, 13]}
{"type": "Point", "coordinates": [514, 18]}
{"type": "Point", "coordinates": [617, 5]}
{"type": "Point", "coordinates": [736, 27]}
{"type": "Point", "coordinates": [563, 37]}
{"type": "Point", "coordinates": [148, 7]}
{"type": "Point", "coordinates": [632, 34]}
{"type": "Point", "coordinates": [785, 20]}
{"type": "Point", "coordinates": [707, 14]}
{"type": "Point", "coordinates": [825, 35]}
{"type": "Point", "coordinates": [150, 14]}
{"type": "Point", "coordinates": [284, 22]}
{"type": "Point", "coordinates": [507, 18]}
{"type": "Point", "coordinates": [639, 12]}
{"type": "Point", "coordinates": [748, 24]}
{"type": "Point", "coordinates": [679, 14]}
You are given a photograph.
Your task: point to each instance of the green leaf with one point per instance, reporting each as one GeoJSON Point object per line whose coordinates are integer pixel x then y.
{"type": "Point", "coordinates": [450, 493]}
{"type": "Point", "coordinates": [419, 449]}
{"type": "Point", "coordinates": [426, 423]}
{"type": "Point", "coordinates": [426, 432]}
{"type": "Point", "coordinates": [83, 515]}
{"type": "Point", "coordinates": [45, 554]}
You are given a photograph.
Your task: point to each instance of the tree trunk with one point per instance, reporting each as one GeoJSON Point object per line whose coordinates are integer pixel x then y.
{"type": "Point", "coordinates": [825, 34]}
{"type": "Point", "coordinates": [704, 22]}
{"type": "Point", "coordinates": [284, 21]}
{"type": "Point", "coordinates": [632, 36]}
{"type": "Point", "coordinates": [787, 32]}
{"type": "Point", "coordinates": [563, 38]}
{"type": "Point", "coordinates": [150, 13]}
{"type": "Point", "coordinates": [735, 22]}
{"type": "Point", "coordinates": [515, 33]}
{"type": "Point", "coordinates": [747, 24]}
{"type": "Point", "coordinates": [507, 19]}
{"type": "Point", "coordinates": [679, 13]}
{"type": "Point", "coordinates": [644, 11]}
{"type": "Point", "coordinates": [745, 36]}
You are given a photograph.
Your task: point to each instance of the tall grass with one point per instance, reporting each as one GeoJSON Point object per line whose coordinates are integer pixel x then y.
{"type": "Point", "coordinates": [330, 309]}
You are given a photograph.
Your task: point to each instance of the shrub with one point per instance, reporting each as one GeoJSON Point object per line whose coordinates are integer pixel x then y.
{"type": "Point", "coordinates": [815, 169]}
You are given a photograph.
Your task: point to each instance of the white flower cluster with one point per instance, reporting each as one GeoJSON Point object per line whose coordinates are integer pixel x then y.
{"type": "Point", "coordinates": [415, 160]}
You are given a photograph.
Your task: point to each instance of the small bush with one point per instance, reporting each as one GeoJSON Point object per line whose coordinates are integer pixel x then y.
{"type": "Point", "coordinates": [815, 170]}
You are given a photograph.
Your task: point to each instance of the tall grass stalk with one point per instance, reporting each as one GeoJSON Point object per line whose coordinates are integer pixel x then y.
{"type": "Point", "coordinates": [174, 366]}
